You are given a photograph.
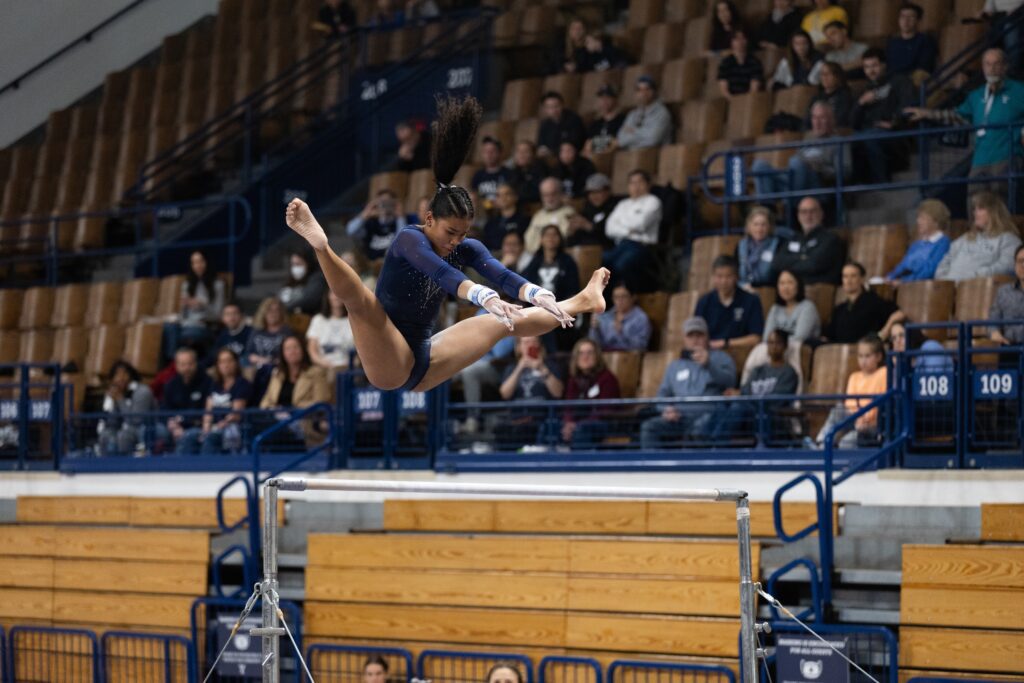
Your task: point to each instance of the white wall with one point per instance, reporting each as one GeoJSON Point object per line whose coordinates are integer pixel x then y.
{"type": "Point", "coordinates": [31, 30]}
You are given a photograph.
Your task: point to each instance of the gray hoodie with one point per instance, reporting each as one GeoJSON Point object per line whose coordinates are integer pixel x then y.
{"type": "Point", "coordinates": [981, 257]}
{"type": "Point", "coordinates": [649, 126]}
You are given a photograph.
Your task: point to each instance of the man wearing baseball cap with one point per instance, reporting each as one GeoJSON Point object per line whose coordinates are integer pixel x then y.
{"type": "Point", "coordinates": [607, 122]}
{"type": "Point", "coordinates": [587, 227]}
{"type": "Point", "coordinates": [649, 125]}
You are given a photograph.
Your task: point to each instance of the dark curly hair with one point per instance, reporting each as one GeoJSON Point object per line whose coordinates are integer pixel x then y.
{"type": "Point", "coordinates": [454, 133]}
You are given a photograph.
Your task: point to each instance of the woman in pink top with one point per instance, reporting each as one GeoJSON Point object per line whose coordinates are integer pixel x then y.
{"type": "Point", "coordinates": [871, 379]}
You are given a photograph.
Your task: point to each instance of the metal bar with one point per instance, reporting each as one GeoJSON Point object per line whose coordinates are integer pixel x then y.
{"type": "Point", "coordinates": [748, 607]}
{"type": "Point", "coordinates": [271, 643]}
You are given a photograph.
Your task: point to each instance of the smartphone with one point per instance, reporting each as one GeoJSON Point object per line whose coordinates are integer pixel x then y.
{"type": "Point", "coordinates": [533, 352]}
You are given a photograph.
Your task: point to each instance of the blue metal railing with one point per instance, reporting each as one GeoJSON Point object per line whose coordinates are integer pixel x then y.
{"type": "Point", "coordinates": [563, 669]}
{"type": "Point", "coordinates": [347, 662]}
{"type": "Point", "coordinates": [26, 410]}
{"type": "Point", "coordinates": [637, 671]}
{"type": "Point", "coordinates": [456, 666]}
{"type": "Point", "coordinates": [873, 648]}
{"type": "Point", "coordinates": [150, 657]}
{"type": "Point", "coordinates": [39, 652]}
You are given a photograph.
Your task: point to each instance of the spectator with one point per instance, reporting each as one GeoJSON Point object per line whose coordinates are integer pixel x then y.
{"type": "Point", "coordinates": [305, 287]}
{"type": "Point", "coordinates": [122, 430]}
{"type": "Point", "coordinates": [699, 371]}
{"type": "Point", "coordinates": [554, 210]}
{"type": "Point", "coordinates": [202, 298]}
{"type": "Point", "coordinates": [377, 225]}
{"type": "Point", "coordinates": [1009, 305]}
{"type": "Point", "coordinates": [778, 29]}
{"type": "Point", "coordinates": [625, 327]}
{"type": "Point", "coordinates": [606, 124]}
{"type": "Point", "coordinates": [588, 226]}
{"type": "Point", "coordinates": [590, 379]}
{"type": "Point", "coordinates": [554, 270]}
{"type": "Point", "coordinates": [569, 51]}
{"type": "Point", "coordinates": [507, 219]}
{"type": "Point", "coordinates": [413, 146]}
{"type": "Point", "coordinates": [834, 92]}
{"type": "Point", "coordinates": [375, 670]}
{"type": "Point", "coordinates": [234, 333]}
{"type": "Point", "coordinates": [335, 18]}
{"type": "Point", "coordinates": [420, 217]}
{"type": "Point", "coordinates": [792, 312]}
{"type": "Point", "coordinates": [573, 170]}
{"type": "Point", "coordinates": [270, 329]}
{"type": "Point", "coordinates": [295, 383]}
{"type": "Point", "coordinates": [534, 377]}
{"type": "Point", "coordinates": [739, 72]}
{"type": "Point", "coordinates": [802, 63]}
{"type": "Point", "coordinates": [187, 392]}
{"type": "Point", "coordinates": [816, 253]}
{"type": "Point", "coordinates": [633, 227]}
{"type": "Point", "coordinates": [843, 51]}
{"type": "Point", "coordinates": [911, 52]}
{"type": "Point", "coordinates": [925, 254]}
{"type": "Point", "coordinates": [863, 312]}
{"type": "Point", "coordinates": [513, 252]}
{"type": "Point", "coordinates": [756, 250]}
{"type": "Point", "coordinates": [812, 166]}
{"type": "Point", "coordinates": [650, 124]}
{"type": "Point", "coordinates": [486, 181]}
{"type": "Point", "coordinates": [999, 101]}
{"type": "Point", "coordinates": [733, 315]}
{"type": "Point", "coordinates": [774, 377]}
{"type": "Point", "coordinates": [485, 373]}
{"type": "Point", "coordinates": [870, 380]}
{"type": "Point", "coordinates": [504, 672]}
{"type": "Point", "coordinates": [902, 339]}
{"type": "Point", "coordinates": [527, 172]}
{"type": "Point", "coordinates": [725, 21]}
{"type": "Point", "coordinates": [558, 125]}
{"type": "Point", "coordinates": [823, 14]}
{"type": "Point", "coordinates": [987, 248]}
{"type": "Point", "coordinates": [879, 109]}
{"type": "Point", "coordinates": [599, 54]}
{"type": "Point", "coordinates": [330, 334]}
{"type": "Point", "coordinates": [229, 395]}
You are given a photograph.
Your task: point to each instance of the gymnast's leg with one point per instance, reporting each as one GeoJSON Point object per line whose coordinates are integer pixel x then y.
{"type": "Point", "coordinates": [385, 355]}
{"type": "Point", "coordinates": [461, 344]}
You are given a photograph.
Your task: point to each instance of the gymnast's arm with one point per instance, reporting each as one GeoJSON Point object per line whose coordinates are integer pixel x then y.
{"type": "Point", "coordinates": [512, 284]}
{"type": "Point", "coordinates": [414, 246]}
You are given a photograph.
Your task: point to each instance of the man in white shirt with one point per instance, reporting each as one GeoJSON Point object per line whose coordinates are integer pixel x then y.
{"type": "Point", "coordinates": [633, 227]}
{"type": "Point", "coordinates": [650, 124]}
{"type": "Point", "coordinates": [554, 210]}
{"type": "Point", "coordinates": [843, 51]}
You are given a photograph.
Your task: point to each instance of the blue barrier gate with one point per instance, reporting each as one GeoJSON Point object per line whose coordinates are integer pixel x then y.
{"type": "Point", "coordinates": [634, 671]}
{"type": "Point", "coordinates": [556, 669]}
{"type": "Point", "coordinates": [873, 648]}
{"type": "Point", "coordinates": [39, 653]}
{"type": "Point", "coordinates": [150, 657]}
{"type": "Point", "coordinates": [442, 666]}
{"type": "Point", "coordinates": [4, 668]}
{"type": "Point", "coordinates": [212, 619]}
{"type": "Point", "coordinates": [345, 663]}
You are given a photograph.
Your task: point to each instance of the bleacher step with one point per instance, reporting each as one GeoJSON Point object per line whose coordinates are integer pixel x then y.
{"type": "Point", "coordinates": [911, 524]}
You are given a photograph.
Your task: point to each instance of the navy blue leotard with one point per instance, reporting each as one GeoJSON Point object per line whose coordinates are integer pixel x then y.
{"type": "Point", "coordinates": [414, 280]}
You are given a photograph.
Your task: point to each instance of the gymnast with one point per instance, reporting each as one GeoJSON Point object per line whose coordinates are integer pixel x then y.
{"type": "Point", "coordinates": [393, 328]}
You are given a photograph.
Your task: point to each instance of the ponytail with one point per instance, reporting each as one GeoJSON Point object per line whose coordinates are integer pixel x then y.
{"type": "Point", "coordinates": [454, 133]}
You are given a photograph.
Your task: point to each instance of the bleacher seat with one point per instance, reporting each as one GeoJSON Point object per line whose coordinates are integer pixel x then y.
{"type": "Point", "coordinates": [396, 181]}
{"type": "Point", "coordinates": [643, 13]}
{"type": "Point", "coordinates": [138, 299]}
{"type": "Point", "coordinates": [588, 259]}
{"type": "Point", "coordinates": [36, 308]}
{"type": "Point", "coordinates": [677, 163]}
{"type": "Point", "coordinates": [823, 296]}
{"type": "Point", "coordinates": [103, 303]}
{"type": "Point", "coordinates": [704, 251]}
{"type": "Point", "coordinates": [10, 308]}
{"type": "Point", "coordinates": [567, 85]}
{"type": "Point", "coordinates": [625, 365]}
{"type": "Point", "coordinates": [878, 247]}
{"type": "Point", "coordinates": [876, 20]}
{"type": "Point", "coordinates": [682, 10]}
{"type": "Point", "coordinates": [928, 301]}
{"type": "Point", "coordinates": [683, 79]}
{"type": "Point", "coordinates": [795, 100]}
{"type": "Point", "coordinates": [522, 98]}
{"type": "Point", "coordinates": [592, 82]}
{"type": "Point", "coordinates": [655, 305]}
{"type": "Point", "coordinates": [974, 298]}
{"type": "Point", "coordinates": [831, 368]}
{"type": "Point", "coordinates": [537, 26]}
{"type": "Point", "coordinates": [661, 44]}
{"type": "Point", "coordinates": [70, 345]}
{"type": "Point", "coordinates": [9, 345]}
{"type": "Point", "coordinates": [142, 347]}
{"type": "Point", "coordinates": [697, 38]}
{"type": "Point", "coordinates": [69, 305]}
{"type": "Point", "coordinates": [652, 370]}
{"type": "Point", "coordinates": [680, 307]}
{"type": "Point", "coordinates": [747, 115]}
{"type": "Point", "coordinates": [526, 129]}
{"type": "Point", "coordinates": [778, 158]}
{"type": "Point", "coordinates": [628, 160]}
{"type": "Point", "coordinates": [106, 344]}
{"type": "Point", "coordinates": [168, 301]}
{"type": "Point", "coordinates": [702, 121]}
{"type": "Point", "coordinates": [36, 346]}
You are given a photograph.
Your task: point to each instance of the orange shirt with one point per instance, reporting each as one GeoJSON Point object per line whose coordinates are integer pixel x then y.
{"type": "Point", "coordinates": [862, 383]}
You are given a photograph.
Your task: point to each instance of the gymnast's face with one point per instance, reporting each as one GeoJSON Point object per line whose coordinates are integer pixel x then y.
{"type": "Point", "coordinates": [445, 233]}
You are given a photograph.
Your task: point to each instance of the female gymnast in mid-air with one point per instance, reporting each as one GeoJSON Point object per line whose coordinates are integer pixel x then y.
{"type": "Point", "coordinates": [393, 329]}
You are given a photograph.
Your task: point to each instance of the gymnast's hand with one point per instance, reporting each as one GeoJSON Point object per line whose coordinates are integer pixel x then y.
{"type": "Point", "coordinates": [487, 299]}
{"type": "Point", "coordinates": [542, 298]}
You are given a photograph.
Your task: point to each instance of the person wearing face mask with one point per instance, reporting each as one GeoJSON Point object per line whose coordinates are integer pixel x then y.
{"type": "Point", "coordinates": [305, 287]}
{"type": "Point", "coordinates": [999, 101]}
{"type": "Point", "coordinates": [377, 225]}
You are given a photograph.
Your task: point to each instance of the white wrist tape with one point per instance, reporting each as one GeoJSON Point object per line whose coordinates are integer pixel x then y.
{"type": "Point", "coordinates": [479, 295]}
{"type": "Point", "coordinates": [534, 291]}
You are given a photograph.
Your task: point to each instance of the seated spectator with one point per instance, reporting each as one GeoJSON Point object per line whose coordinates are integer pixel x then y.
{"type": "Point", "coordinates": [987, 248]}
{"type": "Point", "coordinates": [486, 180]}
{"type": "Point", "coordinates": [527, 172]}
{"type": "Point", "coordinates": [589, 378]}
{"type": "Point", "coordinates": [781, 24]}
{"type": "Point", "coordinates": [606, 124]}
{"type": "Point", "coordinates": [880, 109]}
{"type": "Point", "coordinates": [554, 210]}
{"type": "Point", "coordinates": [740, 72]}
{"type": "Point", "coordinates": [569, 49]}
{"type": "Point", "coordinates": [513, 252]}
{"type": "Point", "coordinates": [633, 227]}
{"type": "Point", "coordinates": [699, 371]}
{"type": "Point", "coordinates": [573, 170]}
{"type": "Point", "coordinates": [599, 54]}
{"type": "Point", "coordinates": [812, 166]}
{"type": "Point", "coordinates": [202, 298]}
{"type": "Point", "coordinates": [377, 225]}
{"type": "Point", "coordinates": [508, 218]}
{"type": "Point", "coordinates": [554, 270]}
{"type": "Point", "coordinates": [187, 392]}
{"type": "Point", "coordinates": [413, 146]}
{"type": "Point", "coordinates": [870, 380]}
{"type": "Point", "coordinates": [625, 327]}
{"type": "Point", "coordinates": [902, 338]}
{"type": "Point", "coordinates": [816, 253]}
{"type": "Point", "coordinates": [824, 13]}
{"type": "Point", "coordinates": [229, 396]}
{"type": "Point", "coordinates": [588, 226]}
{"type": "Point", "coordinates": [774, 377]}
{"type": "Point", "coordinates": [725, 21]}
{"type": "Point", "coordinates": [504, 672]}
{"type": "Point", "coordinates": [924, 255]}
{"type": "Point", "coordinates": [234, 333]}
{"type": "Point", "coordinates": [911, 52]}
{"type": "Point", "coordinates": [558, 125]}
{"type": "Point", "coordinates": [534, 377]}
{"type": "Point", "coordinates": [650, 124]}
{"type": "Point", "coordinates": [834, 92]}
{"type": "Point", "coordinates": [756, 250]}
{"type": "Point", "coordinates": [295, 383]}
{"type": "Point", "coordinates": [733, 315]}
{"type": "Point", "coordinates": [335, 18]}
{"type": "Point", "coordinates": [802, 63]}
{"type": "Point", "coordinates": [269, 330]}
{"type": "Point", "coordinates": [1009, 305]}
{"type": "Point", "coordinates": [792, 312]}
{"type": "Point", "coordinates": [843, 51]}
{"type": "Point", "coordinates": [1000, 100]}
{"type": "Point", "coordinates": [485, 373]}
{"type": "Point", "coordinates": [375, 670]}
{"type": "Point", "coordinates": [330, 335]}
{"type": "Point", "coordinates": [862, 312]}
{"type": "Point", "coordinates": [305, 287]}
{"type": "Point", "coordinates": [122, 431]}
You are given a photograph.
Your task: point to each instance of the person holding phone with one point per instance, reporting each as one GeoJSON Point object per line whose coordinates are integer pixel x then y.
{"type": "Point", "coordinates": [378, 224]}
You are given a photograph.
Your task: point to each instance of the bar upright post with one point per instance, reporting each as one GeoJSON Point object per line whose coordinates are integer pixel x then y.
{"type": "Point", "coordinates": [748, 602]}
{"type": "Point", "coordinates": [268, 589]}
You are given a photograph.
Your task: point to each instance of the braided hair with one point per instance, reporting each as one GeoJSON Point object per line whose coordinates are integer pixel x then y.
{"type": "Point", "coordinates": [454, 133]}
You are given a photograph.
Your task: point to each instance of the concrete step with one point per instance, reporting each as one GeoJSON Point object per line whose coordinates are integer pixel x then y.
{"type": "Point", "coordinates": [921, 524]}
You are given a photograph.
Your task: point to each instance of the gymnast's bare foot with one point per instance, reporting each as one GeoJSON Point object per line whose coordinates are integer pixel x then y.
{"type": "Point", "coordinates": [300, 219]}
{"type": "Point", "coordinates": [593, 293]}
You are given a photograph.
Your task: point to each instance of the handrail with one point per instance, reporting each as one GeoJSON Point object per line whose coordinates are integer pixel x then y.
{"type": "Point", "coordinates": [82, 39]}
{"type": "Point", "coordinates": [816, 608]}
{"type": "Point", "coordinates": [224, 528]}
{"type": "Point", "coordinates": [218, 586]}
{"type": "Point", "coordinates": [777, 508]}
{"type": "Point", "coordinates": [257, 443]}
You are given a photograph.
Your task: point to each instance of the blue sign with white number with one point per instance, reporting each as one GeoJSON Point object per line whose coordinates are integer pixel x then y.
{"type": "Point", "coordinates": [801, 659]}
{"type": "Point", "coordinates": [937, 386]}
{"type": "Point", "coordinates": [993, 384]}
{"type": "Point", "coordinates": [38, 411]}
{"type": "Point", "coordinates": [369, 404]}
{"type": "Point", "coordinates": [736, 176]}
